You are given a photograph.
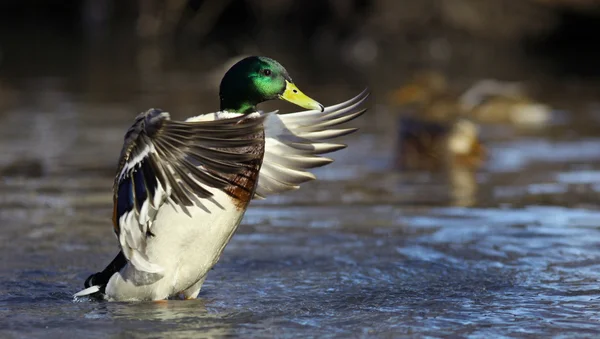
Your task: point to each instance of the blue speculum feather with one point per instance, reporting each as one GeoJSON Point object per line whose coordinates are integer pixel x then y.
{"type": "Point", "coordinates": [150, 178]}
{"type": "Point", "coordinates": [140, 189]}
{"type": "Point", "coordinates": [124, 197]}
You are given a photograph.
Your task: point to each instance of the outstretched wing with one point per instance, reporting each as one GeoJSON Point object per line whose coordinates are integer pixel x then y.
{"type": "Point", "coordinates": [176, 162]}
{"type": "Point", "coordinates": [294, 141]}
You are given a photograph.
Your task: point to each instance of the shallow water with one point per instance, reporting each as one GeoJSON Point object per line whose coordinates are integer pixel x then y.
{"type": "Point", "coordinates": [510, 250]}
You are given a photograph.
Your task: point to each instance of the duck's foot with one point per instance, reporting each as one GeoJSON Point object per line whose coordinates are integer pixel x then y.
{"type": "Point", "coordinates": [193, 291]}
{"type": "Point", "coordinates": [182, 296]}
{"type": "Point", "coordinates": [161, 301]}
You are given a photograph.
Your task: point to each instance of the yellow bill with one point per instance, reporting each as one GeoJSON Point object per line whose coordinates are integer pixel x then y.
{"type": "Point", "coordinates": [295, 96]}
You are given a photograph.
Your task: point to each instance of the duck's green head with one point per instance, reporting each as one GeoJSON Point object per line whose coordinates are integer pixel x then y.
{"type": "Point", "coordinates": [257, 79]}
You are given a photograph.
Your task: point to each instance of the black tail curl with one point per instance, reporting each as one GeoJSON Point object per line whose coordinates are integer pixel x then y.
{"type": "Point", "coordinates": [102, 278]}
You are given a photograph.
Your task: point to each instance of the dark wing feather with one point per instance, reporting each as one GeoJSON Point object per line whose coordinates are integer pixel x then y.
{"type": "Point", "coordinates": [164, 160]}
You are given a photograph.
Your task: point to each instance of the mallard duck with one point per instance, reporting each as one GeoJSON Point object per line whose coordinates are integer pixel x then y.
{"type": "Point", "coordinates": [182, 188]}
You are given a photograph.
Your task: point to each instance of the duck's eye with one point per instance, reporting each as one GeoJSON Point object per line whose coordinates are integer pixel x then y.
{"type": "Point", "coordinates": [266, 72]}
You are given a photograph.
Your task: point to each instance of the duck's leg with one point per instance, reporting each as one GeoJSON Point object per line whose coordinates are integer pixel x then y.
{"type": "Point", "coordinates": [193, 291]}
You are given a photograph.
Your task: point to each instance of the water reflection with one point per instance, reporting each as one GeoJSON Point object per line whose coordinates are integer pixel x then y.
{"type": "Point", "coordinates": [171, 319]}
{"type": "Point", "coordinates": [463, 183]}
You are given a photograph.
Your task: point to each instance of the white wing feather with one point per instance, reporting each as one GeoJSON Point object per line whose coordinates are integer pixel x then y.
{"type": "Point", "coordinates": [294, 141]}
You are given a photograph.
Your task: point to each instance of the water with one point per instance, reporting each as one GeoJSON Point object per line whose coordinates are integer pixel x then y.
{"type": "Point", "coordinates": [511, 250]}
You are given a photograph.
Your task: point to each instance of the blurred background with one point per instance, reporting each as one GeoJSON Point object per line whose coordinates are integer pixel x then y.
{"type": "Point", "coordinates": [121, 57]}
{"type": "Point", "coordinates": [466, 204]}
{"type": "Point", "coordinates": [148, 42]}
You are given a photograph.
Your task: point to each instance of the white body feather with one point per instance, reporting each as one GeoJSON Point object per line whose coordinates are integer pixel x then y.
{"type": "Point", "coordinates": [186, 246]}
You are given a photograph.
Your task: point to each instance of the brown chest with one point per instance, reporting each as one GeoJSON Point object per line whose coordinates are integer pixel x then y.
{"type": "Point", "coordinates": [244, 183]}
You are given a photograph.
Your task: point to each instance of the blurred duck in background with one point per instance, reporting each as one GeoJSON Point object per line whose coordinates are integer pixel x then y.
{"type": "Point", "coordinates": [427, 95]}
{"type": "Point", "coordinates": [496, 102]}
{"type": "Point", "coordinates": [439, 125]}
{"type": "Point", "coordinates": [486, 101]}
{"type": "Point", "coordinates": [432, 145]}
{"type": "Point", "coordinates": [433, 132]}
